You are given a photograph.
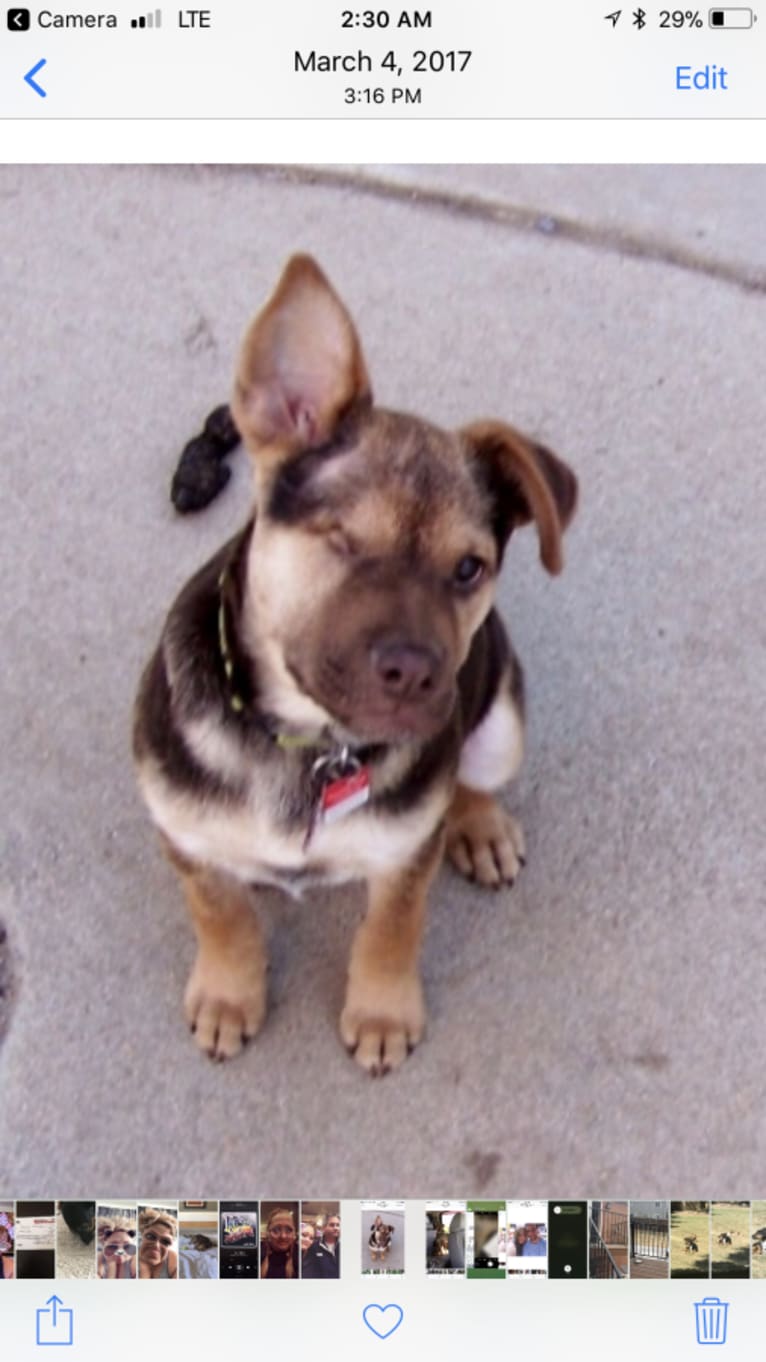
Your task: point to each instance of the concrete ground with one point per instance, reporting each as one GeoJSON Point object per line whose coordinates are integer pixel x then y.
{"type": "Point", "coordinates": [597, 1030]}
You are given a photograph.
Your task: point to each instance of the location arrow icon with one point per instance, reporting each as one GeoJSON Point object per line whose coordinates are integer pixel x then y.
{"type": "Point", "coordinates": [30, 79]}
{"type": "Point", "coordinates": [614, 17]}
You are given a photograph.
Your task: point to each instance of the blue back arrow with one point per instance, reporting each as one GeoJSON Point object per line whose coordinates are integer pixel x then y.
{"type": "Point", "coordinates": [30, 79]}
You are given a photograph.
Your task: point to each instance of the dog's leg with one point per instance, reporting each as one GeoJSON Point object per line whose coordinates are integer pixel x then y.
{"type": "Point", "coordinates": [483, 841]}
{"type": "Point", "coordinates": [225, 999]}
{"type": "Point", "coordinates": [384, 1014]}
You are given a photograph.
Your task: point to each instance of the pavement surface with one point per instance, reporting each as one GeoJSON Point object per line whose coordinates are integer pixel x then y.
{"type": "Point", "coordinates": [596, 1030]}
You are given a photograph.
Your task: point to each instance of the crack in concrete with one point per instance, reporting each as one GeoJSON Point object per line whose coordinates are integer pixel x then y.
{"type": "Point", "coordinates": [552, 225]}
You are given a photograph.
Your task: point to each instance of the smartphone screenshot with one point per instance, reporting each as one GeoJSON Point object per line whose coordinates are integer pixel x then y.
{"type": "Point", "coordinates": [527, 1239]}
{"type": "Point", "coordinates": [239, 1239]}
{"type": "Point", "coordinates": [568, 1240]}
{"type": "Point", "coordinates": [445, 1238]}
{"type": "Point", "coordinates": [485, 1239]}
{"type": "Point", "coordinates": [382, 700]}
{"type": "Point", "coordinates": [382, 1237]}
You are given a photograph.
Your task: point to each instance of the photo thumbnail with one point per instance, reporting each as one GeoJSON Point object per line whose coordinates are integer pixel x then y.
{"type": "Point", "coordinates": [7, 1240]}
{"type": "Point", "coordinates": [280, 1245]}
{"type": "Point", "coordinates": [649, 1239]}
{"type": "Point", "coordinates": [35, 1239]}
{"type": "Point", "coordinates": [486, 1248]}
{"type": "Point", "coordinates": [382, 1225]}
{"type": "Point", "coordinates": [76, 1240]}
{"type": "Point", "coordinates": [320, 1239]}
{"type": "Point", "coordinates": [198, 1239]}
{"type": "Point", "coordinates": [690, 1238]}
{"type": "Point", "coordinates": [608, 1240]}
{"type": "Point", "coordinates": [116, 1233]}
{"type": "Point", "coordinates": [158, 1241]}
{"type": "Point", "coordinates": [445, 1238]}
{"type": "Point", "coordinates": [527, 1239]}
{"type": "Point", "coordinates": [239, 1239]}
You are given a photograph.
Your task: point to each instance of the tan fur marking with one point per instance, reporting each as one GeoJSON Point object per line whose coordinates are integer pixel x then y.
{"type": "Point", "coordinates": [225, 1000]}
{"type": "Point", "coordinates": [384, 1014]}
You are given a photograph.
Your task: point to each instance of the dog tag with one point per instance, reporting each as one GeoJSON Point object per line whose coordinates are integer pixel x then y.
{"type": "Point", "coordinates": [343, 795]}
{"type": "Point", "coordinates": [345, 787]}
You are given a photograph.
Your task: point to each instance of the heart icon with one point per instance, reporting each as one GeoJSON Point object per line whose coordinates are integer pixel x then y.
{"type": "Point", "coordinates": [374, 1317]}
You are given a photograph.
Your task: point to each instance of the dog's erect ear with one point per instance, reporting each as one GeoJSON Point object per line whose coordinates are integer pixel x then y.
{"type": "Point", "coordinates": [526, 482]}
{"type": "Point", "coordinates": [301, 366]}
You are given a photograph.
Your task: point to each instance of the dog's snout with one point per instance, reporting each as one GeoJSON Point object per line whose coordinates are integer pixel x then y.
{"type": "Point", "coordinates": [405, 670]}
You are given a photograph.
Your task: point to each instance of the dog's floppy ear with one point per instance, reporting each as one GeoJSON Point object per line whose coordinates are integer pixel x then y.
{"type": "Point", "coordinates": [301, 366]}
{"type": "Point", "coordinates": [526, 482]}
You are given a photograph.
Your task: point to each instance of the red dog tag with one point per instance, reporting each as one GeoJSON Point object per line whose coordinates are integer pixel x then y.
{"type": "Point", "coordinates": [343, 795]}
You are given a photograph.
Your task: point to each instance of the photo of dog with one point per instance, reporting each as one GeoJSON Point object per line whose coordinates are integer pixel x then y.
{"type": "Point", "coordinates": [380, 1240]}
{"type": "Point", "coordinates": [334, 697]}
{"type": "Point", "coordinates": [690, 1238]}
{"type": "Point", "coordinates": [342, 348]}
{"type": "Point", "coordinates": [382, 1237]}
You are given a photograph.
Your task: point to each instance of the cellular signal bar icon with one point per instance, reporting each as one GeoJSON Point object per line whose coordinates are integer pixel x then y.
{"type": "Point", "coordinates": [148, 20]}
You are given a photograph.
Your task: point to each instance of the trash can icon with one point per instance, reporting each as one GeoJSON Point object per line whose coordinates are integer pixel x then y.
{"type": "Point", "coordinates": [712, 1316]}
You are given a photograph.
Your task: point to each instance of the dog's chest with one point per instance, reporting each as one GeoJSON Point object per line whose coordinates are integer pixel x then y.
{"type": "Point", "coordinates": [252, 844]}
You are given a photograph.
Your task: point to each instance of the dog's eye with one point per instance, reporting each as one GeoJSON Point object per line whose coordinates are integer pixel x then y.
{"type": "Point", "coordinates": [468, 572]}
{"type": "Point", "coordinates": [341, 543]}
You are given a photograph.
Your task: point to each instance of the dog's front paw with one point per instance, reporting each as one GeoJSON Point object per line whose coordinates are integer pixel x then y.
{"type": "Point", "coordinates": [485, 843]}
{"type": "Point", "coordinates": [224, 1007]}
{"type": "Point", "coordinates": [382, 1022]}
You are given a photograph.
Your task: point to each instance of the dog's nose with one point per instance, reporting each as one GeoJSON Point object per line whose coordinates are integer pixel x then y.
{"type": "Point", "coordinates": [405, 670]}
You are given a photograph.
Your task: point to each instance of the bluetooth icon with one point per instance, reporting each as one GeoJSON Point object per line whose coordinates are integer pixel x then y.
{"type": "Point", "coordinates": [639, 18]}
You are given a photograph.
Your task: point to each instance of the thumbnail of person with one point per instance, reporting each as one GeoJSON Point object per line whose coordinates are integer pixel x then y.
{"type": "Point", "coordinates": [117, 1248]}
{"type": "Point", "coordinates": [158, 1242]}
{"type": "Point", "coordinates": [7, 1235]}
{"type": "Point", "coordinates": [279, 1239]}
{"type": "Point", "coordinates": [320, 1239]}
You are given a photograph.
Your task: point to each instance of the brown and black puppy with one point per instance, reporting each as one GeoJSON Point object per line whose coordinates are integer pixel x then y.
{"type": "Point", "coordinates": [333, 697]}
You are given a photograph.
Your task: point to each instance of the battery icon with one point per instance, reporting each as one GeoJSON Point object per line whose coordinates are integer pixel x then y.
{"type": "Point", "coordinates": [730, 18]}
